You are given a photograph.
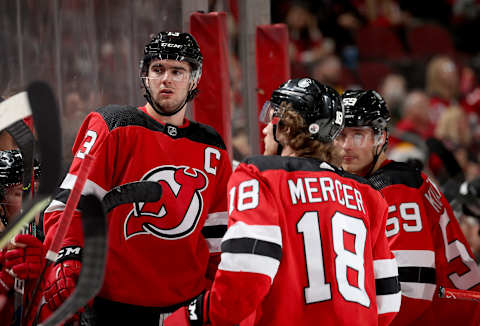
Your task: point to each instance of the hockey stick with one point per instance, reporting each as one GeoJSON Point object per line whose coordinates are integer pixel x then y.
{"type": "Point", "coordinates": [65, 221]}
{"type": "Point", "coordinates": [138, 191]}
{"type": "Point", "coordinates": [13, 109]}
{"type": "Point", "coordinates": [123, 194]}
{"type": "Point", "coordinates": [456, 294]}
{"type": "Point", "coordinates": [93, 262]}
{"type": "Point", "coordinates": [39, 101]}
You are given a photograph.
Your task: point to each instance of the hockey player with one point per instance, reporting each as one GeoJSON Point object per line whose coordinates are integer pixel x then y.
{"type": "Point", "coordinates": [158, 253]}
{"type": "Point", "coordinates": [306, 241]}
{"type": "Point", "coordinates": [423, 233]}
{"type": "Point", "coordinates": [24, 258]}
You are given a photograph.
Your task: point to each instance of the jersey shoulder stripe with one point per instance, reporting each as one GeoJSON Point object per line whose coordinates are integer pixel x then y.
{"type": "Point", "coordinates": [397, 173]}
{"type": "Point", "coordinates": [290, 164]}
{"type": "Point", "coordinates": [116, 116]}
{"type": "Point", "coordinates": [204, 134]}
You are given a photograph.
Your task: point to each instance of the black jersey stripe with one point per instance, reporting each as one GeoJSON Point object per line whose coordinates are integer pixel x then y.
{"type": "Point", "coordinates": [252, 246]}
{"type": "Point", "coordinates": [417, 274]}
{"type": "Point", "coordinates": [387, 285]}
{"type": "Point", "coordinates": [214, 231]}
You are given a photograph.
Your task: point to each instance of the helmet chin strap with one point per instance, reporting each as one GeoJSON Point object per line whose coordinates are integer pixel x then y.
{"type": "Point", "coordinates": [279, 145]}
{"type": "Point", "coordinates": [157, 107]}
{"type": "Point", "coordinates": [376, 156]}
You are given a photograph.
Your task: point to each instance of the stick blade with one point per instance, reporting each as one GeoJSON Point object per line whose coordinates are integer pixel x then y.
{"type": "Point", "coordinates": [138, 191]}
{"type": "Point", "coordinates": [93, 261]}
{"type": "Point", "coordinates": [46, 118]}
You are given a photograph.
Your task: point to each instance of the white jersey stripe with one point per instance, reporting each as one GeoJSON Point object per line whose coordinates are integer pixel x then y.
{"type": "Point", "coordinates": [424, 291]}
{"type": "Point", "coordinates": [384, 268]}
{"type": "Point", "coordinates": [55, 205]}
{"type": "Point", "coordinates": [214, 244]}
{"type": "Point", "coordinates": [269, 233]}
{"type": "Point", "coordinates": [416, 258]}
{"type": "Point", "coordinates": [388, 303]}
{"type": "Point", "coordinates": [218, 218]}
{"type": "Point", "coordinates": [68, 183]}
{"type": "Point", "coordinates": [249, 263]}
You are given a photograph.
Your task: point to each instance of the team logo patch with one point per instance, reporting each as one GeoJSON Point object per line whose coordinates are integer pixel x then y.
{"type": "Point", "coordinates": [304, 83]}
{"type": "Point", "coordinates": [177, 213]}
{"type": "Point", "coordinates": [172, 131]}
{"type": "Point", "coordinates": [314, 128]}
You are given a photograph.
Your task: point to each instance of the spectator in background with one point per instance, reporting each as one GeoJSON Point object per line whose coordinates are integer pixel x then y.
{"type": "Point", "coordinates": [442, 85]}
{"type": "Point", "coordinates": [307, 43]}
{"type": "Point", "coordinates": [394, 89]}
{"type": "Point", "coordinates": [328, 70]}
{"type": "Point", "coordinates": [415, 118]}
{"type": "Point", "coordinates": [453, 130]}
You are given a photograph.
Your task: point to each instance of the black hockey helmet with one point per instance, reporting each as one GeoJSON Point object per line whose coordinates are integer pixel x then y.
{"type": "Point", "coordinates": [11, 167]}
{"type": "Point", "coordinates": [365, 108]}
{"type": "Point", "coordinates": [319, 105]}
{"type": "Point", "coordinates": [174, 46]}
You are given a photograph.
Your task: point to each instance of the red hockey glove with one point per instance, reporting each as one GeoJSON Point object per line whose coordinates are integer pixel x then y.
{"type": "Point", "coordinates": [61, 278]}
{"type": "Point", "coordinates": [192, 315]}
{"type": "Point", "coordinates": [6, 280]}
{"type": "Point", "coordinates": [27, 258]}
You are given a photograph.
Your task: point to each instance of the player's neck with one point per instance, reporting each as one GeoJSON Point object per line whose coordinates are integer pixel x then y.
{"type": "Point", "coordinates": [177, 119]}
{"type": "Point", "coordinates": [381, 158]}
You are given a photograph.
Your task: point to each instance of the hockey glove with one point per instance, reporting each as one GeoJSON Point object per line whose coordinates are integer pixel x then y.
{"type": "Point", "coordinates": [192, 315]}
{"type": "Point", "coordinates": [26, 259]}
{"type": "Point", "coordinates": [6, 280]}
{"type": "Point", "coordinates": [61, 278]}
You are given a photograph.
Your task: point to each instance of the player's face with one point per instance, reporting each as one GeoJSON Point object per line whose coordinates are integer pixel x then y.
{"type": "Point", "coordinates": [357, 144]}
{"type": "Point", "coordinates": [168, 82]}
{"type": "Point", "coordinates": [13, 200]}
{"type": "Point", "coordinates": [270, 144]}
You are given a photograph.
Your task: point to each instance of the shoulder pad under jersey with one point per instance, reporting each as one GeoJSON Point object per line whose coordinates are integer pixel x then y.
{"type": "Point", "coordinates": [397, 173]}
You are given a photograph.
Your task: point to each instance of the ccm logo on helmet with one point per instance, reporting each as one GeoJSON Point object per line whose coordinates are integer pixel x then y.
{"type": "Point", "coordinates": [177, 213]}
{"type": "Point", "coordinates": [170, 45]}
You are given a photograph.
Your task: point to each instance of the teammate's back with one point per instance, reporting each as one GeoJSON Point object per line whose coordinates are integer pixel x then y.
{"type": "Point", "coordinates": [323, 230]}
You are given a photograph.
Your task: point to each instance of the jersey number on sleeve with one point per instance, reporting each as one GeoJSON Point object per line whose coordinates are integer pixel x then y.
{"type": "Point", "coordinates": [318, 289]}
{"type": "Point", "coordinates": [90, 138]}
{"type": "Point", "coordinates": [456, 249]}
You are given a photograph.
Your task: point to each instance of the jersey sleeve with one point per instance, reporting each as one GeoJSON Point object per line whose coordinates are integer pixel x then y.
{"type": "Point", "coordinates": [217, 218]}
{"type": "Point", "coordinates": [251, 249]}
{"type": "Point", "coordinates": [385, 267]}
{"type": "Point", "coordinates": [454, 262]}
{"type": "Point", "coordinates": [90, 139]}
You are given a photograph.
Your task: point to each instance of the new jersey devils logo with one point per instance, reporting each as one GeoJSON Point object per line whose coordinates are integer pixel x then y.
{"type": "Point", "coordinates": [177, 213]}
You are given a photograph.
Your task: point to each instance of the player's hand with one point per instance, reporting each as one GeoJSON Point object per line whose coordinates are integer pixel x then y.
{"type": "Point", "coordinates": [26, 258]}
{"type": "Point", "coordinates": [192, 315]}
{"type": "Point", "coordinates": [61, 280]}
{"type": "Point", "coordinates": [6, 280]}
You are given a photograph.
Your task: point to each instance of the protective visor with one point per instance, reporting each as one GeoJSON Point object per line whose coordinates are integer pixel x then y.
{"type": "Point", "coordinates": [271, 112]}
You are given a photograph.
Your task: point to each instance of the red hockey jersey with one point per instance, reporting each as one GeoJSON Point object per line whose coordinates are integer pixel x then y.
{"type": "Point", "coordinates": [305, 244]}
{"type": "Point", "coordinates": [157, 252]}
{"type": "Point", "coordinates": [429, 246]}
